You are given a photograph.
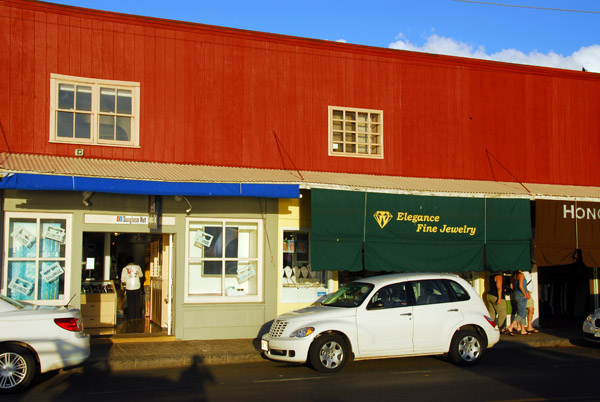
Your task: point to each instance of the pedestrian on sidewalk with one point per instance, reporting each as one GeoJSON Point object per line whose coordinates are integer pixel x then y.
{"type": "Point", "coordinates": [530, 304]}
{"type": "Point", "coordinates": [495, 300]}
{"type": "Point", "coordinates": [520, 296]}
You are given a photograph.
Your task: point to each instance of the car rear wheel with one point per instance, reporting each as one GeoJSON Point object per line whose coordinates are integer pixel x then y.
{"type": "Point", "coordinates": [17, 368]}
{"type": "Point", "coordinates": [328, 353]}
{"type": "Point", "coordinates": [466, 348]}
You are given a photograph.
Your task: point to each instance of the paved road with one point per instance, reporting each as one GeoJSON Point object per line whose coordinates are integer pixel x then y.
{"type": "Point", "coordinates": [559, 374]}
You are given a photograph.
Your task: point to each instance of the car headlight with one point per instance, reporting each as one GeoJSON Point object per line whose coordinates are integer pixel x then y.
{"type": "Point", "coordinates": [590, 318]}
{"type": "Point", "coordinates": [302, 332]}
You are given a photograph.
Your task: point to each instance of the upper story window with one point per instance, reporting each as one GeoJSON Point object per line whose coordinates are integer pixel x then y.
{"type": "Point", "coordinates": [94, 112]}
{"type": "Point", "coordinates": [355, 132]}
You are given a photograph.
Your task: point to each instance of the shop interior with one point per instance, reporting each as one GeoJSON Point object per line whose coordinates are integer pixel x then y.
{"type": "Point", "coordinates": [104, 306]}
{"type": "Point", "coordinates": [564, 294]}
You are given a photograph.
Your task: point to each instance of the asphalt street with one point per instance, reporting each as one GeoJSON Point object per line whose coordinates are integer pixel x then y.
{"type": "Point", "coordinates": [511, 374]}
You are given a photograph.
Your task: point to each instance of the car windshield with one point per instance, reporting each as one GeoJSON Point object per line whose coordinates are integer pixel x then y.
{"type": "Point", "coordinates": [12, 302]}
{"type": "Point", "coordinates": [350, 295]}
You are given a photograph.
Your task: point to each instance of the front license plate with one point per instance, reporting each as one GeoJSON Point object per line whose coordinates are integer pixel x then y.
{"type": "Point", "coordinates": [264, 345]}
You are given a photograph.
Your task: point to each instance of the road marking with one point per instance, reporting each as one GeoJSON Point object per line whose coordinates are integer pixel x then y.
{"type": "Point", "coordinates": [291, 379]}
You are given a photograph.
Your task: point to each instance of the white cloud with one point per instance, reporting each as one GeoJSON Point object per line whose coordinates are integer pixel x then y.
{"type": "Point", "coordinates": [587, 56]}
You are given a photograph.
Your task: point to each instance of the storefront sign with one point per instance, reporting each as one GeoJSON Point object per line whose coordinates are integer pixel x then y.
{"type": "Point", "coordinates": [395, 232]}
{"type": "Point", "coordinates": [562, 227]}
{"type": "Point", "coordinates": [126, 219]}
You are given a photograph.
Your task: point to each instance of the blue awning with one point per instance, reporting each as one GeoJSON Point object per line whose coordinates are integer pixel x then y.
{"type": "Point", "coordinates": [26, 181]}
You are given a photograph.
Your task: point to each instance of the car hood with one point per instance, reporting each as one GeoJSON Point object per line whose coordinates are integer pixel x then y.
{"type": "Point", "coordinates": [317, 313]}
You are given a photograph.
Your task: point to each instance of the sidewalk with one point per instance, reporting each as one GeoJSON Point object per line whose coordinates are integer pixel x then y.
{"type": "Point", "coordinates": [133, 353]}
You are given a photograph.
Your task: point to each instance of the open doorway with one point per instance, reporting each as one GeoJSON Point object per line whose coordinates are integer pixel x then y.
{"type": "Point", "coordinates": [104, 305]}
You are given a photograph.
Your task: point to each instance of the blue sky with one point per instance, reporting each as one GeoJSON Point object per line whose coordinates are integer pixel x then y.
{"type": "Point", "coordinates": [521, 31]}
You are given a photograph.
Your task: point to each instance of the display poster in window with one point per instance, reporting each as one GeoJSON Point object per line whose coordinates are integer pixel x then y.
{"type": "Point", "coordinates": [244, 273]}
{"type": "Point", "coordinates": [20, 285]}
{"type": "Point", "coordinates": [24, 237]}
{"type": "Point", "coordinates": [202, 239]}
{"type": "Point", "coordinates": [51, 272]}
{"type": "Point", "coordinates": [54, 233]}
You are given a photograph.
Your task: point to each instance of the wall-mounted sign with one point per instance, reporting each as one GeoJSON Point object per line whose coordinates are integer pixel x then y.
{"type": "Point", "coordinates": [127, 219]}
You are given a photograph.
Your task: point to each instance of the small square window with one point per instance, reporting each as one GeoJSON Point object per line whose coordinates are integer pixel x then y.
{"type": "Point", "coordinates": [355, 132]}
{"type": "Point", "coordinates": [94, 112]}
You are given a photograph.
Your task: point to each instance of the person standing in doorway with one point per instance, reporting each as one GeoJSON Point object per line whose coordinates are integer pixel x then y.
{"type": "Point", "coordinates": [495, 301]}
{"type": "Point", "coordinates": [130, 278]}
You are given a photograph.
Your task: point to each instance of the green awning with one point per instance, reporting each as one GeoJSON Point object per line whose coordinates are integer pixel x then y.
{"type": "Point", "coordinates": [508, 234]}
{"type": "Point", "coordinates": [337, 233]}
{"type": "Point", "coordinates": [417, 233]}
{"type": "Point", "coordinates": [423, 233]}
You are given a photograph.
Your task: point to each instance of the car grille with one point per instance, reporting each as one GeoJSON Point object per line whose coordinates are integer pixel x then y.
{"type": "Point", "coordinates": [277, 328]}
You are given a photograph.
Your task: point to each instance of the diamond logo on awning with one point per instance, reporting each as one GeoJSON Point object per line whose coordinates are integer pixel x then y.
{"type": "Point", "coordinates": [382, 218]}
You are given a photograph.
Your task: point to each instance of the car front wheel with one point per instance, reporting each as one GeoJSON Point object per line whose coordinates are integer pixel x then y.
{"type": "Point", "coordinates": [328, 353]}
{"type": "Point", "coordinates": [466, 348]}
{"type": "Point", "coordinates": [17, 369]}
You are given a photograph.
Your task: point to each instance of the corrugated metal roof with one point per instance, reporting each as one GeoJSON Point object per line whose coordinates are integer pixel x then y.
{"type": "Point", "coordinates": [169, 172]}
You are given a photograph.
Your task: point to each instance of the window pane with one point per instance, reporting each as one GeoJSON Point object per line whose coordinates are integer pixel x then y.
{"type": "Point", "coordinates": [214, 248]}
{"type": "Point", "coordinates": [350, 115]}
{"type": "Point", "coordinates": [51, 280]}
{"type": "Point", "coordinates": [123, 128]}
{"type": "Point", "coordinates": [362, 138]}
{"type": "Point", "coordinates": [231, 242]}
{"type": "Point", "coordinates": [22, 240]}
{"type": "Point", "coordinates": [66, 96]}
{"type": "Point", "coordinates": [338, 114]}
{"type": "Point", "coordinates": [350, 126]}
{"type": "Point", "coordinates": [107, 100]}
{"type": "Point", "coordinates": [64, 124]}
{"type": "Point", "coordinates": [362, 149]}
{"type": "Point", "coordinates": [338, 147]}
{"type": "Point", "coordinates": [337, 125]}
{"type": "Point", "coordinates": [338, 136]}
{"type": "Point", "coordinates": [124, 101]}
{"type": "Point", "coordinates": [83, 124]}
{"type": "Point", "coordinates": [374, 118]}
{"type": "Point", "coordinates": [350, 137]}
{"type": "Point", "coordinates": [375, 128]}
{"type": "Point", "coordinates": [362, 127]}
{"type": "Point", "coordinates": [203, 284]}
{"type": "Point", "coordinates": [351, 148]}
{"type": "Point", "coordinates": [53, 238]}
{"type": "Point", "coordinates": [21, 280]}
{"type": "Point", "coordinates": [247, 240]}
{"type": "Point", "coordinates": [84, 98]}
{"type": "Point", "coordinates": [106, 130]}
{"type": "Point", "coordinates": [244, 282]}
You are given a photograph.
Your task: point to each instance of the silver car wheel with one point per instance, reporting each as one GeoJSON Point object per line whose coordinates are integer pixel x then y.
{"type": "Point", "coordinates": [13, 370]}
{"type": "Point", "coordinates": [469, 348]}
{"type": "Point", "coordinates": [331, 354]}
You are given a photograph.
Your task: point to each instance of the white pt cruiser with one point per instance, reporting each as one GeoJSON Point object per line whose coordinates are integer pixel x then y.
{"type": "Point", "coordinates": [386, 316]}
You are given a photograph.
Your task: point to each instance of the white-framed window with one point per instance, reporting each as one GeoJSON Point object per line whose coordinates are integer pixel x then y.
{"type": "Point", "coordinates": [94, 112]}
{"type": "Point", "coordinates": [37, 257]}
{"type": "Point", "coordinates": [355, 132]}
{"type": "Point", "coordinates": [223, 261]}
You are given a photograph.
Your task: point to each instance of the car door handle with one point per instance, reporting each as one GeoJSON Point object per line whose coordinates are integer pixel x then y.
{"type": "Point", "coordinates": [408, 314]}
{"type": "Point", "coordinates": [453, 310]}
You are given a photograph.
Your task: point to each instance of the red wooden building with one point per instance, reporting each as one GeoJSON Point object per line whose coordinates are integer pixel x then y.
{"type": "Point", "coordinates": [116, 108]}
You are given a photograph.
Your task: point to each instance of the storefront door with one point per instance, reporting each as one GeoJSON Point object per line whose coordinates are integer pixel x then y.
{"type": "Point", "coordinates": [105, 306]}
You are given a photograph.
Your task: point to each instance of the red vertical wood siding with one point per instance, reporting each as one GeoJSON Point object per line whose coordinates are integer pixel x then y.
{"type": "Point", "coordinates": [219, 96]}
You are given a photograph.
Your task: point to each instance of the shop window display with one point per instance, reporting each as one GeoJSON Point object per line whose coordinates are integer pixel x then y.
{"type": "Point", "coordinates": [223, 260]}
{"type": "Point", "coordinates": [299, 283]}
{"type": "Point", "coordinates": [36, 258]}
